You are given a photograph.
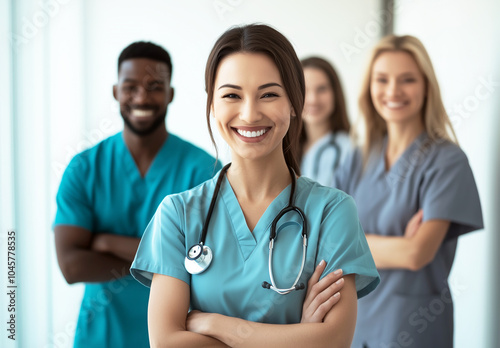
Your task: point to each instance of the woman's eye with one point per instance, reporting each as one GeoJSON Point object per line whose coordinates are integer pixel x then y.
{"type": "Point", "coordinates": [409, 80]}
{"type": "Point", "coordinates": [230, 96]}
{"type": "Point", "coordinates": [270, 95]}
{"type": "Point", "coordinates": [381, 80]}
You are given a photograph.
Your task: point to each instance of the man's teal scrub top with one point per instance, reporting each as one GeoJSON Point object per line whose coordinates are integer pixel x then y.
{"type": "Point", "coordinates": [232, 284]}
{"type": "Point", "coordinates": [103, 191]}
{"type": "Point", "coordinates": [412, 308]}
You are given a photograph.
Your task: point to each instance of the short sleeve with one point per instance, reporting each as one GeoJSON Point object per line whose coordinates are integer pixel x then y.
{"type": "Point", "coordinates": [162, 248]}
{"type": "Point", "coordinates": [449, 192]}
{"type": "Point", "coordinates": [343, 245]}
{"type": "Point", "coordinates": [74, 201]}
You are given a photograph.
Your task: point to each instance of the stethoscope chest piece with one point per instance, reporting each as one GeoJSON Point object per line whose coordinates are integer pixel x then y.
{"type": "Point", "coordinates": [198, 258]}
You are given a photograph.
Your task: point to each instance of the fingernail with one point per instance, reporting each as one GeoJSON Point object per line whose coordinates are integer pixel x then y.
{"type": "Point", "coordinates": [321, 263]}
{"type": "Point", "coordinates": [339, 281]}
{"type": "Point", "coordinates": [337, 272]}
{"type": "Point", "coordinates": [336, 294]}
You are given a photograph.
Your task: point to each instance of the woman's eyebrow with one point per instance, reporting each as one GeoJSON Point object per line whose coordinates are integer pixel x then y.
{"type": "Point", "coordinates": [227, 85]}
{"type": "Point", "coordinates": [270, 84]}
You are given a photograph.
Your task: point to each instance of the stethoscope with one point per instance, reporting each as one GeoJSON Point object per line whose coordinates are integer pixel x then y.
{"type": "Point", "coordinates": [319, 153]}
{"type": "Point", "coordinates": [199, 256]}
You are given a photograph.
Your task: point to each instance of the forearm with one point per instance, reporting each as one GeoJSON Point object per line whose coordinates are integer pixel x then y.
{"type": "Point", "coordinates": [390, 252]}
{"type": "Point", "coordinates": [82, 265]}
{"type": "Point", "coordinates": [336, 330]}
{"type": "Point", "coordinates": [412, 253]}
{"type": "Point", "coordinates": [240, 333]}
{"type": "Point", "coordinates": [120, 246]}
{"type": "Point", "coordinates": [183, 339]}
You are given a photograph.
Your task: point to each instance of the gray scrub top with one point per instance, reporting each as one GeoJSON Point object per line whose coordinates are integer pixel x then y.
{"type": "Point", "coordinates": [412, 308]}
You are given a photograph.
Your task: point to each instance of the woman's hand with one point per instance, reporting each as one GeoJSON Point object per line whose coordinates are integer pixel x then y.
{"type": "Point", "coordinates": [321, 295]}
{"type": "Point", "coordinates": [414, 224]}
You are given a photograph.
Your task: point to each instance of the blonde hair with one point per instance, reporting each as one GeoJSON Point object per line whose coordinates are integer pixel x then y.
{"type": "Point", "coordinates": [436, 121]}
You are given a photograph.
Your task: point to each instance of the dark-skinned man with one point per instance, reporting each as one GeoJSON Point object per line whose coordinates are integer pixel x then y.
{"type": "Point", "coordinates": [109, 193]}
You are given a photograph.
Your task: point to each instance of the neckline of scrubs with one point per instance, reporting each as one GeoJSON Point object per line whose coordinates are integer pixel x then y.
{"type": "Point", "coordinates": [403, 159]}
{"type": "Point", "coordinates": [320, 142]}
{"type": "Point", "coordinates": [131, 167]}
{"type": "Point", "coordinates": [248, 239]}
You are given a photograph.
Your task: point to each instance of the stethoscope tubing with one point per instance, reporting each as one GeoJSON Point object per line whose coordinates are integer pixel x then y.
{"type": "Point", "coordinates": [331, 143]}
{"type": "Point", "coordinates": [199, 256]}
{"type": "Point", "coordinates": [212, 204]}
{"type": "Point", "coordinates": [294, 286]}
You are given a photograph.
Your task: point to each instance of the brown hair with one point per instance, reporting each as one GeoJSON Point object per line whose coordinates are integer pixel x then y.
{"type": "Point", "coordinates": [435, 119]}
{"type": "Point", "coordinates": [339, 121]}
{"type": "Point", "coordinates": [259, 38]}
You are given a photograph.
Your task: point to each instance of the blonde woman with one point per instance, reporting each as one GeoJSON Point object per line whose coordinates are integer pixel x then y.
{"type": "Point", "coordinates": [416, 195]}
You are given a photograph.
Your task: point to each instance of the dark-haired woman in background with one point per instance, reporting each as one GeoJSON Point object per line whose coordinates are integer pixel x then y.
{"type": "Point", "coordinates": [324, 141]}
{"type": "Point", "coordinates": [255, 89]}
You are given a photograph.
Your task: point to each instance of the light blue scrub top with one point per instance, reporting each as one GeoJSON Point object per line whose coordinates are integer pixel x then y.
{"type": "Point", "coordinates": [323, 158]}
{"type": "Point", "coordinates": [412, 309]}
{"type": "Point", "coordinates": [103, 191]}
{"type": "Point", "coordinates": [232, 284]}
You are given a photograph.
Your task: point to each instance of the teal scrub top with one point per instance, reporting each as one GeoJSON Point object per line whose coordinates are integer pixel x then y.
{"type": "Point", "coordinates": [232, 284]}
{"type": "Point", "coordinates": [412, 308]}
{"type": "Point", "coordinates": [103, 191]}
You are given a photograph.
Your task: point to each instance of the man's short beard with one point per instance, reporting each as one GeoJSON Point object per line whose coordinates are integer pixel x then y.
{"type": "Point", "coordinates": [145, 132]}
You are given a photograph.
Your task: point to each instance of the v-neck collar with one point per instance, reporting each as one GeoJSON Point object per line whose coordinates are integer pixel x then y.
{"type": "Point", "coordinates": [131, 167]}
{"type": "Point", "coordinates": [404, 163]}
{"type": "Point", "coordinates": [247, 239]}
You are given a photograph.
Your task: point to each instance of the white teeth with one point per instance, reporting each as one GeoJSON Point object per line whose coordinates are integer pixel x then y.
{"type": "Point", "coordinates": [251, 134]}
{"type": "Point", "coordinates": [394, 105]}
{"type": "Point", "coordinates": [142, 113]}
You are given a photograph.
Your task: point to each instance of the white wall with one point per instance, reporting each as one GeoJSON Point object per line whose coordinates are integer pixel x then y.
{"type": "Point", "coordinates": [462, 40]}
{"type": "Point", "coordinates": [65, 66]}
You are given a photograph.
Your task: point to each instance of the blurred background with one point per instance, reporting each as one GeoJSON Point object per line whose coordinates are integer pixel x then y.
{"type": "Point", "coordinates": [58, 62]}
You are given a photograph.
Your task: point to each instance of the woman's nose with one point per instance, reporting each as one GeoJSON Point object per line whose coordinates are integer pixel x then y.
{"type": "Point", "coordinates": [311, 98]}
{"type": "Point", "coordinates": [393, 89]}
{"type": "Point", "coordinates": [250, 112]}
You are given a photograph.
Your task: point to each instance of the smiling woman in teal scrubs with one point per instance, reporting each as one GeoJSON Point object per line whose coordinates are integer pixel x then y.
{"type": "Point", "coordinates": [255, 89]}
{"type": "Point", "coordinates": [416, 195]}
